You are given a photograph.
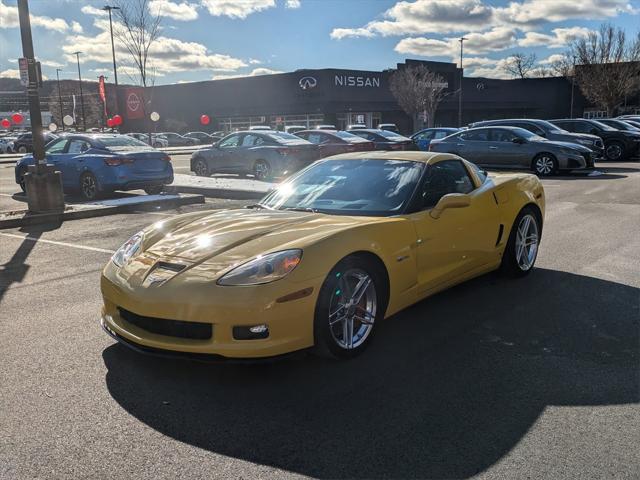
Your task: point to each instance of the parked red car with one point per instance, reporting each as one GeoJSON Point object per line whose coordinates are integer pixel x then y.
{"type": "Point", "coordinates": [335, 142]}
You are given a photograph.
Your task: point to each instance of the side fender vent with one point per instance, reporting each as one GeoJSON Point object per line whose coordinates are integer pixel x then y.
{"type": "Point", "coordinates": [500, 232]}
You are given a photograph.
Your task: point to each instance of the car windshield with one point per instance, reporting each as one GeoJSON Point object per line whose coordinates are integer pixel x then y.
{"type": "Point", "coordinates": [392, 135]}
{"type": "Point", "coordinates": [550, 127]}
{"type": "Point", "coordinates": [286, 138]}
{"type": "Point", "coordinates": [602, 126]}
{"type": "Point", "coordinates": [350, 137]}
{"type": "Point", "coordinates": [121, 141]}
{"type": "Point", "coordinates": [366, 187]}
{"type": "Point", "coordinates": [521, 132]}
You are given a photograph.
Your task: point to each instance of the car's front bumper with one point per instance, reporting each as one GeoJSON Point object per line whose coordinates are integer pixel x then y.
{"type": "Point", "coordinates": [576, 161]}
{"type": "Point", "coordinates": [290, 323]}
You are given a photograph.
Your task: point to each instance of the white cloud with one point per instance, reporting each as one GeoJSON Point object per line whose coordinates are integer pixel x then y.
{"type": "Point", "coordinates": [292, 4]}
{"type": "Point", "coordinates": [236, 8]}
{"type": "Point", "coordinates": [561, 37]}
{"type": "Point", "coordinates": [490, 69]}
{"type": "Point", "coordinates": [9, 19]}
{"type": "Point", "coordinates": [51, 64]}
{"type": "Point", "coordinates": [178, 11]}
{"type": "Point", "coordinates": [551, 59]}
{"type": "Point", "coordinates": [89, 10]}
{"type": "Point", "coordinates": [254, 73]}
{"type": "Point", "coordinates": [543, 11]}
{"type": "Point", "coordinates": [254, 61]}
{"type": "Point", "coordinates": [166, 55]}
{"type": "Point", "coordinates": [11, 73]}
{"type": "Point", "coordinates": [76, 27]}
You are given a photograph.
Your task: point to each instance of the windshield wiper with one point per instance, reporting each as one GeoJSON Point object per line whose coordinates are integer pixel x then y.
{"type": "Point", "coordinates": [301, 209]}
{"type": "Point", "coordinates": [258, 206]}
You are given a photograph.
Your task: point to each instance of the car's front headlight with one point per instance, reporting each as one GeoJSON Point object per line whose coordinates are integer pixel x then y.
{"type": "Point", "coordinates": [263, 269]}
{"type": "Point", "coordinates": [586, 142]}
{"type": "Point", "coordinates": [128, 249]}
{"type": "Point", "coordinates": [569, 151]}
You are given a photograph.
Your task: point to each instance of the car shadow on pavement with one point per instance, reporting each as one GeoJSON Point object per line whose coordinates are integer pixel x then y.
{"type": "Point", "coordinates": [447, 389]}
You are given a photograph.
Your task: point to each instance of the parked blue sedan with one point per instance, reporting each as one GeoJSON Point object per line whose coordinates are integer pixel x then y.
{"type": "Point", "coordinates": [96, 165]}
{"type": "Point", "coordinates": [423, 138]}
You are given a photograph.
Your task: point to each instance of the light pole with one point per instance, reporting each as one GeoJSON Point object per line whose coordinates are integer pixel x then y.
{"type": "Point", "coordinates": [84, 120]}
{"type": "Point", "coordinates": [461, 40]}
{"type": "Point", "coordinates": [60, 97]}
{"type": "Point", "coordinates": [42, 183]}
{"type": "Point", "coordinates": [113, 48]}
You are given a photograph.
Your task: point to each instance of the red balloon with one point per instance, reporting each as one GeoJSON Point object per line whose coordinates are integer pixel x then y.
{"type": "Point", "coordinates": [17, 118]}
{"type": "Point", "coordinates": [204, 119]}
{"type": "Point", "coordinates": [5, 123]}
{"type": "Point", "coordinates": [110, 122]}
{"type": "Point", "coordinates": [117, 120]}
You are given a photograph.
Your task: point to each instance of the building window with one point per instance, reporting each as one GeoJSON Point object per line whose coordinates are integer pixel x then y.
{"type": "Point", "coordinates": [593, 114]}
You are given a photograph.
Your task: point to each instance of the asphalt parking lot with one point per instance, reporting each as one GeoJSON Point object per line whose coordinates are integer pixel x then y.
{"type": "Point", "coordinates": [534, 378]}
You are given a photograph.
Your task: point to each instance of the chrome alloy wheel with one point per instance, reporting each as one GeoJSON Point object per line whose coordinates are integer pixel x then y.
{"type": "Point", "coordinates": [201, 168]}
{"type": "Point", "coordinates": [261, 170]}
{"type": "Point", "coordinates": [527, 239]}
{"type": "Point", "coordinates": [89, 187]}
{"type": "Point", "coordinates": [613, 152]}
{"type": "Point", "coordinates": [352, 308]}
{"type": "Point", "coordinates": [544, 165]}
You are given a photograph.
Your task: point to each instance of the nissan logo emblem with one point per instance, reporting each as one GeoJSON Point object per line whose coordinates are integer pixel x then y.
{"type": "Point", "coordinates": [307, 82]}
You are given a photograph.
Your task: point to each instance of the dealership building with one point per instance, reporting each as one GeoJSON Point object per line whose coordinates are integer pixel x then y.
{"type": "Point", "coordinates": [342, 97]}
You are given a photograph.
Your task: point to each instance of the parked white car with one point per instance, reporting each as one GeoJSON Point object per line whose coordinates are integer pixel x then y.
{"type": "Point", "coordinates": [157, 141]}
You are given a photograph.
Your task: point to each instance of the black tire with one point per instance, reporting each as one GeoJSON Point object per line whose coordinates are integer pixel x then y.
{"type": "Point", "coordinates": [544, 165]}
{"type": "Point", "coordinates": [155, 190]}
{"type": "Point", "coordinates": [326, 343]}
{"type": "Point", "coordinates": [201, 167]}
{"type": "Point", "coordinates": [157, 145]}
{"type": "Point", "coordinates": [262, 171]}
{"type": "Point", "coordinates": [510, 265]}
{"type": "Point", "coordinates": [22, 149]}
{"type": "Point", "coordinates": [614, 151]}
{"type": "Point", "coordinates": [89, 187]}
{"type": "Point", "coordinates": [21, 183]}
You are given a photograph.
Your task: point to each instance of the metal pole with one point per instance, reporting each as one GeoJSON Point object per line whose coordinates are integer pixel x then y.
{"type": "Point", "coordinates": [84, 120]}
{"type": "Point", "coordinates": [113, 48]}
{"type": "Point", "coordinates": [60, 97]}
{"type": "Point", "coordinates": [32, 88]}
{"type": "Point", "coordinates": [462, 39]}
{"type": "Point", "coordinates": [573, 84]}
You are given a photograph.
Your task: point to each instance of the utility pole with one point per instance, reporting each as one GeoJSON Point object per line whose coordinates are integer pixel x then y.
{"type": "Point", "coordinates": [113, 48]}
{"type": "Point", "coordinates": [461, 40]}
{"type": "Point", "coordinates": [42, 183]}
{"type": "Point", "coordinates": [84, 120]}
{"type": "Point", "coordinates": [60, 97]}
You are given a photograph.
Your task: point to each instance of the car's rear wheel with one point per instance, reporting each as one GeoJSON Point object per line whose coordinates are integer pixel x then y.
{"type": "Point", "coordinates": [521, 251]}
{"type": "Point", "coordinates": [21, 181]}
{"type": "Point", "coordinates": [262, 170]}
{"type": "Point", "coordinates": [89, 189]}
{"type": "Point", "coordinates": [155, 190]}
{"type": "Point", "coordinates": [201, 168]}
{"type": "Point", "coordinates": [157, 145]}
{"type": "Point", "coordinates": [544, 165]}
{"type": "Point", "coordinates": [22, 149]}
{"type": "Point", "coordinates": [614, 151]}
{"type": "Point", "coordinates": [349, 307]}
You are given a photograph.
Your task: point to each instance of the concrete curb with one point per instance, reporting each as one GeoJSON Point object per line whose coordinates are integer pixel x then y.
{"type": "Point", "coordinates": [226, 193]}
{"type": "Point", "coordinates": [82, 211]}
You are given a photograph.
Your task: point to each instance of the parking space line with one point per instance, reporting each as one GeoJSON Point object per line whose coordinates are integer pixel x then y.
{"type": "Point", "coordinates": [53, 242]}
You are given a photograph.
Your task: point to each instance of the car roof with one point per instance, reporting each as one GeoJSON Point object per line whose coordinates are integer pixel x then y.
{"type": "Point", "coordinates": [413, 156]}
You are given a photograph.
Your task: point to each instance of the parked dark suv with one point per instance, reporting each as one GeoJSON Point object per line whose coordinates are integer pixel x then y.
{"type": "Point", "coordinates": [618, 145]}
{"type": "Point", "coordinates": [548, 130]}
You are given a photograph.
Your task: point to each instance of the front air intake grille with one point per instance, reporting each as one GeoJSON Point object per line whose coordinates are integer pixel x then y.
{"type": "Point", "coordinates": [170, 328]}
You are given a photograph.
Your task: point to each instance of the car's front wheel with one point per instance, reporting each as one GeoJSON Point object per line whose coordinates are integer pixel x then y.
{"type": "Point", "coordinates": [154, 190]}
{"type": "Point", "coordinates": [545, 164]}
{"type": "Point", "coordinates": [262, 170]}
{"type": "Point", "coordinates": [521, 251]}
{"type": "Point", "coordinates": [201, 168]}
{"type": "Point", "coordinates": [614, 151]}
{"type": "Point", "coordinates": [349, 307]}
{"type": "Point", "coordinates": [22, 149]}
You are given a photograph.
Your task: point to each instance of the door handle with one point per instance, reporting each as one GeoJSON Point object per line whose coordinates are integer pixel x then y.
{"type": "Point", "coordinates": [459, 144]}
{"type": "Point", "coordinates": [493, 148]}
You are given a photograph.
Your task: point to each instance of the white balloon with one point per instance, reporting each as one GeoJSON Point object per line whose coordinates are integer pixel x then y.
{"type": "Point", "coordinates": [155, 116]}
{"type": "Point", "coordinates": [53, 127]}
{"type": "Point", "coordinates": [67, 120]}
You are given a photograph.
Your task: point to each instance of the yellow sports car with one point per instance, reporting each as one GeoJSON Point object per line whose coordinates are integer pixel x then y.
{"type": "Point", "coordinates": [322, 260]}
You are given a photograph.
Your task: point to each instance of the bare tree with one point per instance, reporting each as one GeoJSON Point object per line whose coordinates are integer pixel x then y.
{"type": "Point", "coordinates": [418, 90]}
{"type": "Point", "coordinates": [607, 66]}
{"type": "Point", "coordinates": [564, 65]}
{"type": "Point", "coordinates": [138, 31]}
{"type": "Point", "coordinates": [520, 65]}
{"type": "Point", "coordinates": [541, 71]}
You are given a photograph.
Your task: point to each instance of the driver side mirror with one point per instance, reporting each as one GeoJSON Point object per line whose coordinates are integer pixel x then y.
{"type": "Point", "coordinates": [451, 200]}
{"type": "Point", "coordinates": [519, 140]}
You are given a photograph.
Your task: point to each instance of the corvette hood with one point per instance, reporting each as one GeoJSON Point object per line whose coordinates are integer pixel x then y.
{"type": "Point", "coordinates": [229, 237]}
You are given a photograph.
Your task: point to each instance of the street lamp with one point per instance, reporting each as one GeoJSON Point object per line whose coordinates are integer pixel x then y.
{"type": "Point", "coordinates": [461, 40]}
{"type": "Point", "coordinates": [108, 8]}
{"type": "Point", "coordinates": [84, 121]}
{"type": "Point", "coordinates": [60, 97]}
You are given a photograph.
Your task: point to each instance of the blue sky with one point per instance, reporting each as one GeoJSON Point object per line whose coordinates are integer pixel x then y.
{"type": "Point", "coordinates": [205, 39]}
